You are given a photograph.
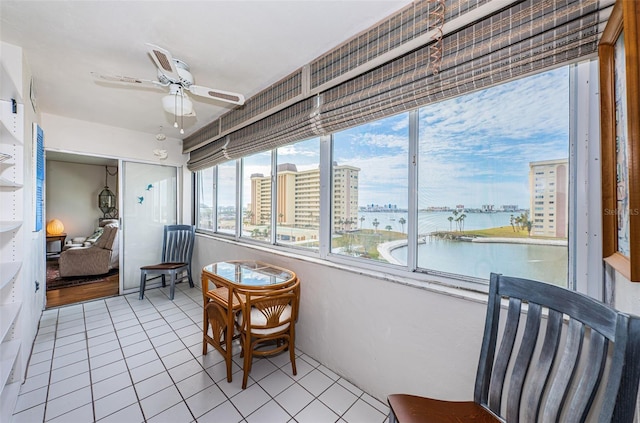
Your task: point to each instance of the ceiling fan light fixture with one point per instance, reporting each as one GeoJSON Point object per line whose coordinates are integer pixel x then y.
{"type": "Point", "coordinates": [178, 103]}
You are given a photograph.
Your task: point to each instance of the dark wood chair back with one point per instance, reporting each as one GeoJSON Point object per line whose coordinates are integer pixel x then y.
{"type": "Point", "coordinates": [177, 250]}
{"type": "Point", "coordinates": [552, 383]}
{"type": "Point", "coordinates": [177, 244]}
{"type": "Point", "coordinates": [549, 357]}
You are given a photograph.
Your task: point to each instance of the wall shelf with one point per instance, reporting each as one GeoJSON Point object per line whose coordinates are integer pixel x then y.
{"type": "Point", "coordinates": [16, 298]}
{"type": "Point", "coordinates": [9, 184]}
{"type": "Point", "coordinates": [6, 226]}
{"type": "Point", "coordinates": [8, 355]}
{"type": "Point", "coordinates": [8, 315]}
{"type": "Point", "coordinates": [9, 272]}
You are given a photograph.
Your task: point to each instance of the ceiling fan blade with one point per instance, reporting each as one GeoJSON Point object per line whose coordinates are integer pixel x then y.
{"type": "Point", "coordinates": [226, 96]}
{"type": "Point", "coordinates": [164, 61]}
{"type": "Point", "coordinates": [128, 80]}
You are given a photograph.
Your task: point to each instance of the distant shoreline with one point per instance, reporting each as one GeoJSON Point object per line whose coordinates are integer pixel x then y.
{"type": "Point", "coordinates": [386, 248]}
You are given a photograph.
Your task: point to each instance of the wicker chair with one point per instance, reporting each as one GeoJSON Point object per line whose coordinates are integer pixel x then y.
{"type": "Point", "coordinates": [266, 324]}
{"type": "Point", "coordinates": [534, 389]}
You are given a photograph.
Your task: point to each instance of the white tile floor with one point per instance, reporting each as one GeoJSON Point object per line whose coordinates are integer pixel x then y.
{"type": "Point", "coordinates": [125, 360]}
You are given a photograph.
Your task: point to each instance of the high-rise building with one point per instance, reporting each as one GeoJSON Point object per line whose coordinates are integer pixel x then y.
{"type": "Point", "coordinates": [548, 181]}
{"type": "Point", "coordinates": [298, 198]}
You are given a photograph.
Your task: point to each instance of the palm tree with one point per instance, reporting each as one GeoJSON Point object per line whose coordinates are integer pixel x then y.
{"type": "Point", "coordinates": [450, 219]}
{"type": "Point", "coordinates": [462, 216]}
{"type": "Point", "coordinates": [280, 216]}
{"type": "Point", "coordinates": [375, 224]}
{"type": "Point", "coordinates": [248, 215]}
{"type": "Point", "coordinates": [402, 221]}
{"type": "Point", "coordinates": [361, 220]}
{"type": "Point", "coordinates": [512, 222]}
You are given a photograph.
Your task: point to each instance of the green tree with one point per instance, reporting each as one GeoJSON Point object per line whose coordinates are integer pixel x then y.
{"type": "Point", "coordinates": [375, 224]}
{"type": "Point", "coordinates": [388, 227]}
{"type": "Point", "coordinates": [402, 221]}
{"type": "Point", "coordinates": [462, 217]}
{"type": "Point", "coordinates": [362, 218]}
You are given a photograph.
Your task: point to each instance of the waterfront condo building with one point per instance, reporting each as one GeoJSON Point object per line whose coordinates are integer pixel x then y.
{"type": "Point", "coordinates": [298, 201]}
{"type": "Point", "coordinates": [548, 198]}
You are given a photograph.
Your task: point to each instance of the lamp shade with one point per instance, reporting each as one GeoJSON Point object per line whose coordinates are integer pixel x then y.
{"type": "Point", "coordinates": [55, 227]}
{"type": "Point", "coordinates": [177, 104]}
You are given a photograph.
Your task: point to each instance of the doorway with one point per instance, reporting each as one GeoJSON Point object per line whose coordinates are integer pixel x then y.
{"type": "Point", "coordinates": [73, 184]}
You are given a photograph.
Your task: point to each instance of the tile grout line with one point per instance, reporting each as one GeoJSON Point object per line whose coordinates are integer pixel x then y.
{"type": "Point", "coordinates": [159, 358]}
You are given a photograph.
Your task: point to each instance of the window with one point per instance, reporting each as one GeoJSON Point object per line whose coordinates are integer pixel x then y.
{"type": "Point", "coordinates": [370, 189]}
{"type": "Point", "coordinates": [205, 199]}
{"type": "Point", "coordinates": [298, 194]}
{"type": "Point", "coordinates": [226, 198]}
{"type": "Point", "coordinates": [256, 196]}
{"type": "Point", "coordinates": [485, 149]}
{"type": "Point", "coordinates": [491, 188]}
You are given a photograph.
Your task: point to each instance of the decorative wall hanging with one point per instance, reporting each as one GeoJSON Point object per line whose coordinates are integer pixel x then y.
{"type": "Point", "coordinates": [620, 138]}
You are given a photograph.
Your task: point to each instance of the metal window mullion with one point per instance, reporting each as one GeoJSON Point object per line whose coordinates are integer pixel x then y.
{"type": "Point", "coordinates": [274, 193]}
{"type": "Point", "coordinates": [239, 213]}
{"type": "Point", "coordinates": [412, 224]}
{"type": "Point", "coordinates": [240, 190]}
{"type": "Point", "coordinates": [214, 189]}
{"type": "Point", "coordinates": [325, 196]}
{"type": "Point", "coordinates": [585, 245]}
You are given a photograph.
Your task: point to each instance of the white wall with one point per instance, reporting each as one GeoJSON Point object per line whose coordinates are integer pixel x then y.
{"type": "Point", "coordinates": [78, 136]}
{"type": "Point", "coordinates": [382, 336]}
{"type": "Point", "coordinates": [72, 195]}
{"type": "Point", "coordinates": [626, 294]}
{"type": "Point", "coordinates": [82, 137]}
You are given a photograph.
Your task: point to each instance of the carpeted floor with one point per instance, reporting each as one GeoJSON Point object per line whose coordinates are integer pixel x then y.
{"type": "Point", "coordinates": [54, 281]}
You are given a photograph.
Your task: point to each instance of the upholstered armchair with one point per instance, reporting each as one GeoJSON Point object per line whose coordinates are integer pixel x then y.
{"type": "Point", "coordinates": [97, 259]}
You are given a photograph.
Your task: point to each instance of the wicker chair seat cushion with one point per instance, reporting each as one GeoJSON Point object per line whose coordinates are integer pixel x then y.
{"type": "Point", "coordinates": [259, 319]}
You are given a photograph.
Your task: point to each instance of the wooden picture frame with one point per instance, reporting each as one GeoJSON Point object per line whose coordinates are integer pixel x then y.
{"type": "Point", "coordinates": [620, 139]}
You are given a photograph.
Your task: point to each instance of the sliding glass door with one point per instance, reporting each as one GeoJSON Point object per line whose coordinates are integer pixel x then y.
{"type": "Point", "coordinates": [149, 203]}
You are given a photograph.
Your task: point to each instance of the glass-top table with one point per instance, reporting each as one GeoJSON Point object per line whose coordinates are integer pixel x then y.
{"type": "Point", "coordinates": [222, 284]}
{"type": "Point", "coordinates": [249, 273]}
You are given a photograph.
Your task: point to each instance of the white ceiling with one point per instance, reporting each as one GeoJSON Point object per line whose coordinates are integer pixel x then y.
{"type": "Point", "coordinates": [240, 46]}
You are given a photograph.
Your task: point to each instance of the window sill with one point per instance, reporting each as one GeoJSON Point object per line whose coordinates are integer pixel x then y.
{"type": "Point", "coordinates": [468, 290]}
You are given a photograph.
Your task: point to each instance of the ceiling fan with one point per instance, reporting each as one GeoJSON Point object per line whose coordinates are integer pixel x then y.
{"type": "Point", "coordinates": [174, 74]}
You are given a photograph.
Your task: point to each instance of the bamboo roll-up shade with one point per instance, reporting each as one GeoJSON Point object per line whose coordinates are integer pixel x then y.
{"type": "Point", "coordinates": [209, 155]}
{"type": "Point", "coordinates": [505, 46]}
{"type": "Point", "coordinates": [294, 123]}
{"type": "Point", "coordinates": [291, 124]}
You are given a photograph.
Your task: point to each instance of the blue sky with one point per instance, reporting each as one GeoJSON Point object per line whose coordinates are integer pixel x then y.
{"type": "Point", "coordinates": [474, 149]}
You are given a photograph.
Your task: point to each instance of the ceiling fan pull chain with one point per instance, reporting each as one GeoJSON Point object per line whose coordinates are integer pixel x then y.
{"type": "Point", "coordinates": [175, 111]}
{"type": "Point", "coordinates": [181, 111]}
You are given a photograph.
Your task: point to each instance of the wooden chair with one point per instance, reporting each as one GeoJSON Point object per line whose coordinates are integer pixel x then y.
{"type": "Point", "coordinates": [267, 324]}
{"type": "Point", "coordinates": [218, 318]}
{"type": "Point", "coordinates": [177, 249]}
{"type": "Point", "coordinates": [551, 383]}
